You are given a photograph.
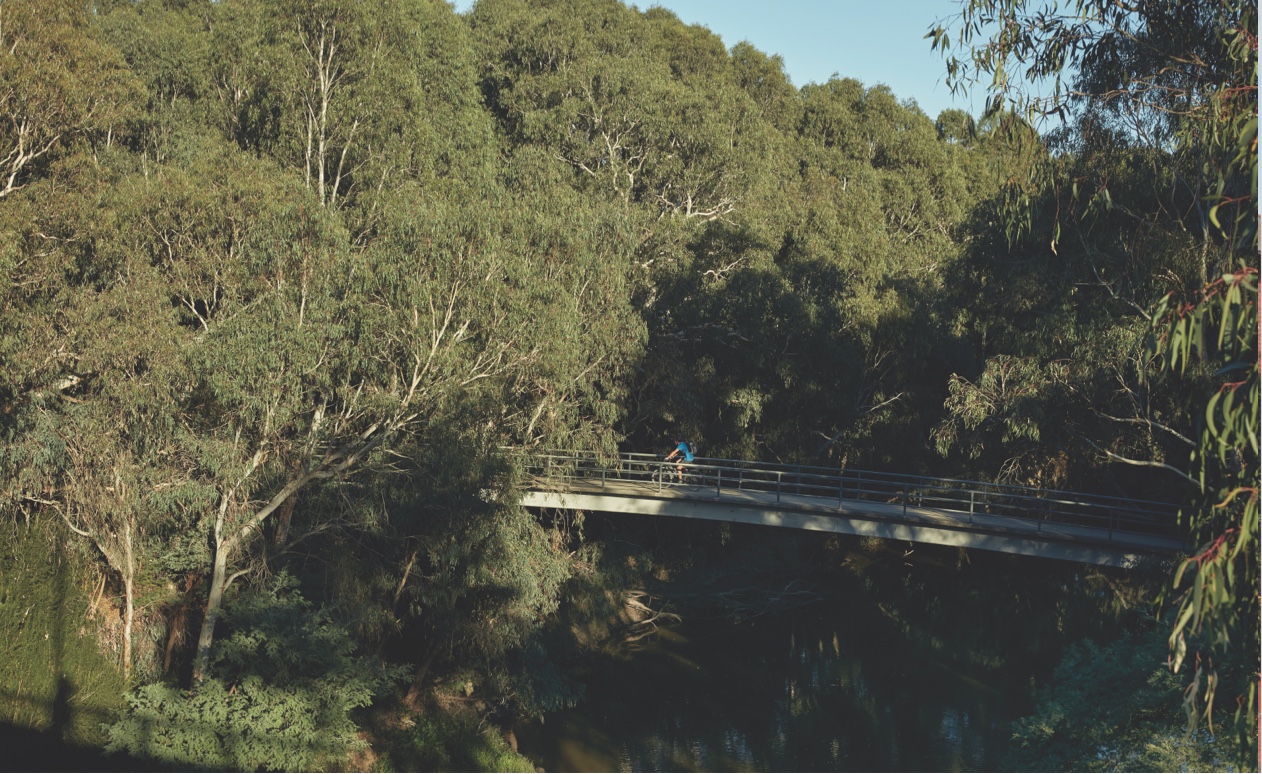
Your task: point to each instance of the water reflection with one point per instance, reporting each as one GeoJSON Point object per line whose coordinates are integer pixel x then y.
{"type": "Point", "coordinates": [822, 689]}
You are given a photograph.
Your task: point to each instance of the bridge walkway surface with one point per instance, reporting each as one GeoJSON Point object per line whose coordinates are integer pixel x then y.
{"type": "Point", "coordinates": [1093, 529]}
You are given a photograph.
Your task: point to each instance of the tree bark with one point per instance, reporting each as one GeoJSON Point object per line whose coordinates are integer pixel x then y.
{"type": "Point", "coordinates": [422, 670]}
{"type": "Point", "coordinates": [213, 604]}
{"type": "Point", "coordinates": [225, 546]}
{"type": "Point", "coordinates": [282, 525]}
{"type": "Point", "coordinates": [129, 588]}
{"type": "Point", "coordinates": [178, 622]}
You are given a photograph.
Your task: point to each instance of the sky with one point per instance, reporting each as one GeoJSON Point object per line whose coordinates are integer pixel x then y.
{"type": "Point", "coordinates": [872, 41]}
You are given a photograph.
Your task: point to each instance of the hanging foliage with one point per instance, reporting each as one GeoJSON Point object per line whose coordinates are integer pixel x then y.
{"type": "Point", "coordinates": [1215, 591]}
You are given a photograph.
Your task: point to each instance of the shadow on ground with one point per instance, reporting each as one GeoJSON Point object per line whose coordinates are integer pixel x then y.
{"type": "Point", "coordinates": [29, 750]}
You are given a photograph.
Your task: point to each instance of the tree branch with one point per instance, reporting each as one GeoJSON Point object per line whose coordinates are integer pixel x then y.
{"type": "Point", "coordinates": [1144, 463]}
{"type": "Point", "coordinates": [1148, 423]}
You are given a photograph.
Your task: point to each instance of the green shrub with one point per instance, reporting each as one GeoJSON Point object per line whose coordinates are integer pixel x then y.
{"type": "Point", "coordinates": [447, 742]}
{"type": "Point", "coordinates": [281, 694]}
{"type": "Point", "coordinates": [1114, 708]}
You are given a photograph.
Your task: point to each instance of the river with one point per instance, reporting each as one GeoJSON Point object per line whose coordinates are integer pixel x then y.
{"type": "Point", "coordinates": [898, 666]}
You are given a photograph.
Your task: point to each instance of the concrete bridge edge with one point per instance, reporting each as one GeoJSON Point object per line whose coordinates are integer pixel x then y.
{"type": "Point", "coordinates": [840, 524]}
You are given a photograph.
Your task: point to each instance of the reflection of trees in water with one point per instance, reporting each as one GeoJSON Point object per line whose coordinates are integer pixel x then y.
{"type": "Point", "coordinates": [915, 665]}
{"type": "Point", "coordinates": [800, 696]}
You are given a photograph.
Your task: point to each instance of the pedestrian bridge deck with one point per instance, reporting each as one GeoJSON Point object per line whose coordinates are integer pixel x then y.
{"type": "Point", "coordinates": [991, 517]}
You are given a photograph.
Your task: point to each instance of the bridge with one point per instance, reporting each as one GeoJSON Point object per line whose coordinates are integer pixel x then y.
{"type": "Point", "coordinates": [1093, 529]}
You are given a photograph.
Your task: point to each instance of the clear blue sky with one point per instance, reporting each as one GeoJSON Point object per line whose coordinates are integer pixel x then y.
{"type": "Point", "coordinates": [873, 41]}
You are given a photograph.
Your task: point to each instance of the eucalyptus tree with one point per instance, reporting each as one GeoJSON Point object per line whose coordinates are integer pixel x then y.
{"type": "Point", "coordinates": [578, 80]}
{"type": "Point", "coordinates": [245, 333]}
{"type": "Point", "coordinates": [166, 47]}
{"type": "Point", "coordinates": [1102, 215]}
{"type": "Point", "coordinates": [358, 98]}
{"type": "Point", "coordinates": [763, 78]}
{"type": "Point", "coordinates": [117, 314]}
{"type": "Point", "coordinates": [67, 100]}
{"type": "Point", "coordinates": [375, 95]}
{"type": "Point", "coordinates": [542, 270]}
{"type": "Point", "coordinates": [808, 318]}
{"type": "Point", "coordinates": [1215, 591]}
{"type": "Point", "coordinates": [62, 86]}
{"type": "Point", "coordinates": [646, 113]}
{"type": "Point", "coordinates": [1166, 93]}
{"type": "Point", "coordinates": [643, 108]}
{"type": "Point", "coordinates": [348, 359]}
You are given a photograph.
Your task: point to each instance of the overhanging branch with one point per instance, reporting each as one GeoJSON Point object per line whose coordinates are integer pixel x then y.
{"type": "Point", "coordinates": [1144, 463]}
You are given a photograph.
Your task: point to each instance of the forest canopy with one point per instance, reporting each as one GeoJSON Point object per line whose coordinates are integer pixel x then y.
{"type": "Point", "coordinates": [283, 280]}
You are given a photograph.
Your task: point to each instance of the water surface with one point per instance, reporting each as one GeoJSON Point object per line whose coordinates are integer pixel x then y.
{"type": "Point", "coordinates": [921, 672]}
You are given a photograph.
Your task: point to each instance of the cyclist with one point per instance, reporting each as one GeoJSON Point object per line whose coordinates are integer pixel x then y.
{"type": "Point", "coordinates": [683, 453]}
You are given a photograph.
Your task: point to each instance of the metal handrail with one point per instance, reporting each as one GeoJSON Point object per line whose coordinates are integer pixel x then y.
{"type": "Point", "coordinates": [973, 498]}
{"type": "Point", "coordinates": [905, 476]}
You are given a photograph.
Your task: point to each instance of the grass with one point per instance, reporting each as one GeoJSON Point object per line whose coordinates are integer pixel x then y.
{"type": "Point", "coordinates": [55, 684]}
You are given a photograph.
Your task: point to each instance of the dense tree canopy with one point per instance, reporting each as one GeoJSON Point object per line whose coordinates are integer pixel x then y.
{"type": "Point", "coordinates": [283, 280]}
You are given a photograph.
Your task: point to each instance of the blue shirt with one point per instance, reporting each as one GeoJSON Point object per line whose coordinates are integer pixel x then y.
{"type": "Point", "coordinates": [683, 447]}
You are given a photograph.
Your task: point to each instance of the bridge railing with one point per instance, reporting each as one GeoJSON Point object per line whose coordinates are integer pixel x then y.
{"type": "Point", "coordinates": [970, 500]}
